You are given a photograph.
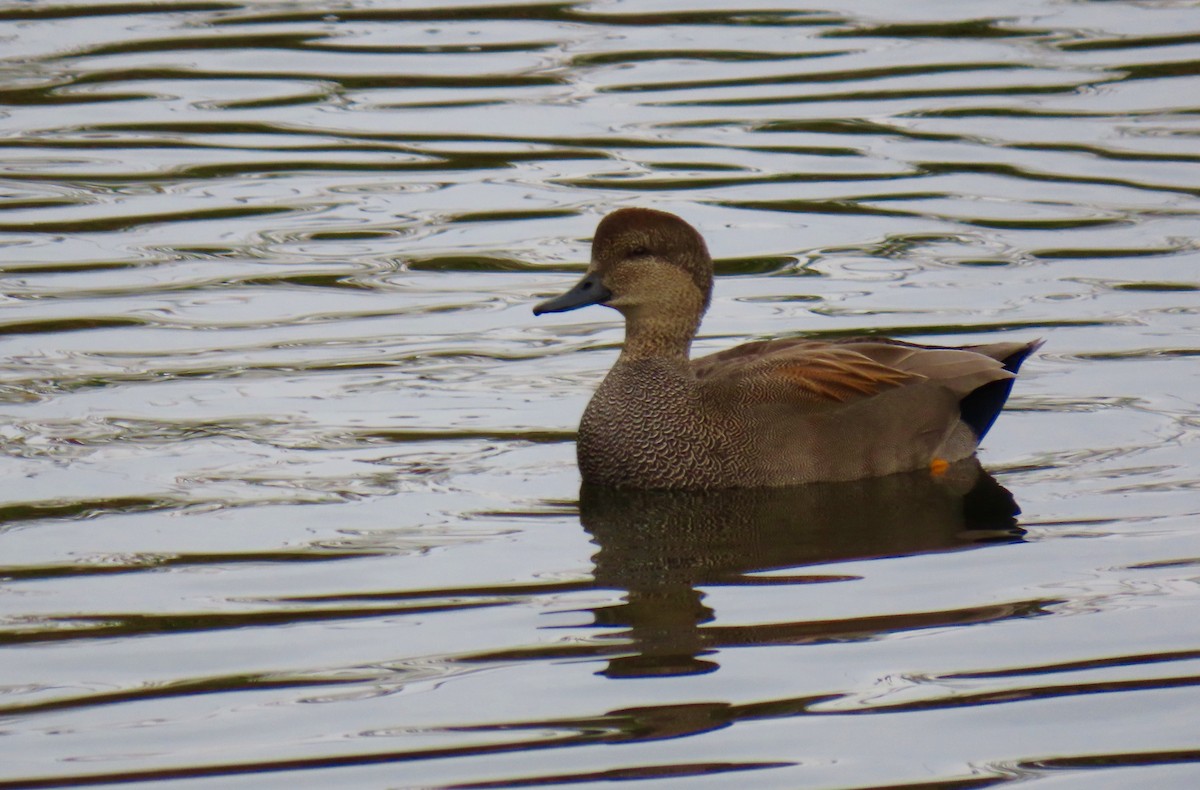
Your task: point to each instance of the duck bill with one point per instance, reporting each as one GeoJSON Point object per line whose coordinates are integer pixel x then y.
{"type": "Point", "coordinates": [587, 291]}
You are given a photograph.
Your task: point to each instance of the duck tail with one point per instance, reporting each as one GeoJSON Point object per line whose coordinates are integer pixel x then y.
{"type": "Point", "coordinates": [982, 406]}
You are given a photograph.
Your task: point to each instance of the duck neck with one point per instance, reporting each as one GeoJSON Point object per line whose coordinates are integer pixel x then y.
{"type": "Point", "coordinates": [657, 336]}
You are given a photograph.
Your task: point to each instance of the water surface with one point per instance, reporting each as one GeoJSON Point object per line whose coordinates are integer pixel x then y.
{"type": "Point", "coordinates": [289, 495]}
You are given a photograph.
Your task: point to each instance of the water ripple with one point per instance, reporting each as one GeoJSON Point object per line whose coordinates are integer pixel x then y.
{"type": "Point", "coordinates": [288, 466]}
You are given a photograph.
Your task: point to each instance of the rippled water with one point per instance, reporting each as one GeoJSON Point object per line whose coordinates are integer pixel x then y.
{"type": "Point", "coordinates": [288, 492]}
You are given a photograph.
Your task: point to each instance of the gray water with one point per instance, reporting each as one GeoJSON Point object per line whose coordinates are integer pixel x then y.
{"type": "Point", "coordinates": [289, 495]}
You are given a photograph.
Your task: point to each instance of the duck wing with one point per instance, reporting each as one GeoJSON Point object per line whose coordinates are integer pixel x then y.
{"type": "Point", "coordinates": [803, 371]}
{"type": "Point", "coordinates": [816, 373]}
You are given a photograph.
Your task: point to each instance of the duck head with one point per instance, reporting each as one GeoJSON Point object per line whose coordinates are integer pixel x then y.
{"type": "Point", "coordinates": [645, 263]}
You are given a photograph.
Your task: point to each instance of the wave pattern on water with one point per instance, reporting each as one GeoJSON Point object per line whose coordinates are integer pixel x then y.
{"type": "Point", "coordinates": [287, 464]}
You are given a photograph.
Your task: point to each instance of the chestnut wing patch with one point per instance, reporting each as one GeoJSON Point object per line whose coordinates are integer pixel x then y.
{"type": "Point", "coordinates": [838, 375]}
{"type": "Point", "coordinates": [799, 370]}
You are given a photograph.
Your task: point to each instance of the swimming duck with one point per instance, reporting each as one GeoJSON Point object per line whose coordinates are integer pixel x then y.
{"type": "Point", "coordinates": [768, 413]}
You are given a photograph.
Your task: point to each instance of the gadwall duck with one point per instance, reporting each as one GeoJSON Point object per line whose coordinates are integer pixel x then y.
{"type": "Point", "coordinates": [769, 413]}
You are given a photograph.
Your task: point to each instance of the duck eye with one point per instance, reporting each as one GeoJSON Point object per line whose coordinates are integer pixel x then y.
{"type": "Point", "coordinates": [638, 252]}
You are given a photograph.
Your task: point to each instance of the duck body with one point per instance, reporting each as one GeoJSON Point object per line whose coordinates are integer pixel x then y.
{"type": "Point", "coordinates": [769, 413]}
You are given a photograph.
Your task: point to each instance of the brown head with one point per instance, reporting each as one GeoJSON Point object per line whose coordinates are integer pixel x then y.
{"type": "Point", "coordinates": [651, 266]}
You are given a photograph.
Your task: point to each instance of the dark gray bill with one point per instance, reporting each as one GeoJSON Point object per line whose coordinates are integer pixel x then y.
{"type": "Point", "coordinates": [587, 291]}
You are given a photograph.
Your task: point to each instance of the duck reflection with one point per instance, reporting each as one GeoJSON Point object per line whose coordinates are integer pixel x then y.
{"type": "Point", "coordinates": [661, 546]}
